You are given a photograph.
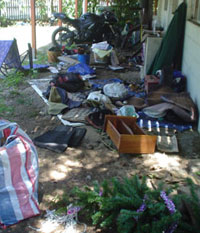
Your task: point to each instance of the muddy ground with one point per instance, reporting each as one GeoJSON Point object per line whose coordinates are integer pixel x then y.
{"type": "Point", "coordinates": [94, 159]}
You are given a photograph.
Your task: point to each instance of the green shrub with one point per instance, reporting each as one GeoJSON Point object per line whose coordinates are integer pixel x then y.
{"type": "Point", "coordinates": [129, 206]}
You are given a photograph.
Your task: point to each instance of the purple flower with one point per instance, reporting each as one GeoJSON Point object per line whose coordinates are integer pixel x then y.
{"type": "Point", "coordinates": [171, 207]}
{"type": "Point", "coordinates": [172, 228]}
{"type": "Point", "coordinates": [73, 210]}
{"type": "Point", "coordinates": [142, 208]}
{"type": "Point", "coordinates": [100, 193]}
{"type": "Point", "coordinates": [169, 203]}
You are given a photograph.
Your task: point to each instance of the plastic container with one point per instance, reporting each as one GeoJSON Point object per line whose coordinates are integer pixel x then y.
{"type": "Point", "coordinates": [103, 60]}
{"type": "Point", "coordinates": [84, 58]}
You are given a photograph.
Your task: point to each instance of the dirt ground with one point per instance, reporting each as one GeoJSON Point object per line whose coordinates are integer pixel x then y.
{"type": "Point", "coordinates": [93, 160]}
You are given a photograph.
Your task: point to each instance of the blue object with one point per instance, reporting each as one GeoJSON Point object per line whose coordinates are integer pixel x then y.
{"type": "Point", "coordinates": [36, 67]}
{"type": "Point", "coordinates": [84, 58]}
{"type": "Point", "coordinates": [81, 69]}
{"type": "Point", "coordinates": [162, 123]}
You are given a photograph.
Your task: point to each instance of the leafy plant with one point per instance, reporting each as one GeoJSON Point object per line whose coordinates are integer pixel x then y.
{"type": "Point", "coordinates": [190, 221]}
{"type": "Point", "coordinates": [60, 203]}
{"type": "Point", "coordinates": [42, 6]}
{"type": "Point", "coordinates": [14, 79]}
{"type": "Point", "coordinates": [127, 10]}
{"type": "Point", "coordinates": [130, 204]}
{"type": "Point", "coordinates": [4, 109]}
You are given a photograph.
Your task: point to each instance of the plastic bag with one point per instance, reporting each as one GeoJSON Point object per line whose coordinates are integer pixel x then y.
{"type": "Point", "coordinates": [127, 110]}
{"type": "Point", "coordinates": [81, 69]}
{"type": "Point", "coordinates": [98, 97]}
{"type": "Point", "coordinates": [115, 90]}
{"type": "Point", "coordinates": [18, 175]}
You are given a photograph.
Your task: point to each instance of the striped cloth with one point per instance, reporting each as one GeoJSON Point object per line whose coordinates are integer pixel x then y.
{"type": "Point", "coordinates": [18, 175]}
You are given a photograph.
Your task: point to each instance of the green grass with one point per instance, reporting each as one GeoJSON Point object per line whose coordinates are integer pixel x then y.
{"type": "Point", "coordinates": [4, 109]}
{"type": "Point", "coordinates": [14, 79]}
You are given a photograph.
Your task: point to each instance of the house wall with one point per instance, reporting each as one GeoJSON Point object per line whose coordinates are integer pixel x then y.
{"type": "Point", "coordinates": [191, 61]}
{"type": "Point", "coordinates": [191, 50]}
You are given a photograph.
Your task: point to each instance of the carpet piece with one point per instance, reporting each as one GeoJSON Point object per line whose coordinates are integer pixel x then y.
{"type": "Point", "coordinates": [60, 138]}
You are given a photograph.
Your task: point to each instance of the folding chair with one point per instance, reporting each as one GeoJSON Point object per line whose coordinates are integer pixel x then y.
{"type": "Point", "coordinates": [11, 60]}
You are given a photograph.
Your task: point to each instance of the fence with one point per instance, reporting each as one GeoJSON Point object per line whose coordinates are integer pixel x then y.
{"type": "Point", "coordinates": [20, 9]}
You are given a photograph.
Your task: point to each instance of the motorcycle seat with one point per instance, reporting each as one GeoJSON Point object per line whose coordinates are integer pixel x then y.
{"type": "Point", "coordinates": [60, 15]}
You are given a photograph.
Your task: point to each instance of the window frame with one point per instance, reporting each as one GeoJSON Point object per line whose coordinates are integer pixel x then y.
{"type": "Point", "coordinates": [197, 11]}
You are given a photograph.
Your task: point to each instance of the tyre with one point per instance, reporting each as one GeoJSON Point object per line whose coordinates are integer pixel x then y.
{"type": "Point", "coordinates": [113, 39]}
{"type": "Point", "coordinates": [62, 36]}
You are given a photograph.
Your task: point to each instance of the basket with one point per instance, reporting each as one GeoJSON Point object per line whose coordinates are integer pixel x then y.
{"type": "Point", "coordinates": [53, 56]}
{"type": "Point", "coordinates": [103, 60]}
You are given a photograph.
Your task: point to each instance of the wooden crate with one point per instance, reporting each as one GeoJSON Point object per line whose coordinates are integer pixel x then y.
{"type": "Point", "coordinates": [127, 136]}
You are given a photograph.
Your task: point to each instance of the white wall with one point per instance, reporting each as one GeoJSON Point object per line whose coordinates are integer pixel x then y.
{"type": "Point", "coordinates": [191, 61]}
{"type": "Point", "coordinates": [191, 50]}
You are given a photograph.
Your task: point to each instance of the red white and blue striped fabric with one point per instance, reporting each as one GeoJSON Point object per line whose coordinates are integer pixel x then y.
{"type": "Point", "coordinates": [18, 175]}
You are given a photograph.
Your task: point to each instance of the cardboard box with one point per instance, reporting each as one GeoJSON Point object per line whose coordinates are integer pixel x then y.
{"type": "Point", "coordinates": [151, 82]}
{"type": "Point", "coordinates": [127, 136]}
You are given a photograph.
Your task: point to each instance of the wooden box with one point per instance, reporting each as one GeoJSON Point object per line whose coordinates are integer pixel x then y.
{"type": "Point", "coordinates": [127, 136]}
{"type": "Point", "coordinates": [151, 82]}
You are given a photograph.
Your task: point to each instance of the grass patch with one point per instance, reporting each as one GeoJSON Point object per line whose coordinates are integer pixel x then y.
{"type": "Point", "coordinates": [4, 109]}
{"type": "Point", "coordinates": [14, 79]}
{"type": "Point", "coordinates": [33, 114]}
{"type": "Point", "coordinates": [15, 93]}
{"type": "Point", "coordinates": [21, 100]}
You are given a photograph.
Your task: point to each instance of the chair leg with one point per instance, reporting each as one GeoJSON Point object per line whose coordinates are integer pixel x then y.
{"type": "Point", "coordinates": [30, 56]}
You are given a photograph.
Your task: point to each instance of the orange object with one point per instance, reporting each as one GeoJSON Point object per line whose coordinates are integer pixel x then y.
{"type": "Point", "coordinates": [128, 137]}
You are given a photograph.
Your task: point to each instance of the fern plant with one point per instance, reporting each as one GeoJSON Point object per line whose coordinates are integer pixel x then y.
{"type": "Point", "coordinates": [190, 221]}
{"type": "Point", "coordinates": [129, 205]}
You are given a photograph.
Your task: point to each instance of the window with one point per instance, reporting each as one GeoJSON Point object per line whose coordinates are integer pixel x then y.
{"type": "Point", "coordinates": [166, 5]}
{"type": "Point", "coordinates": [197, 11]}
{"type": "Point", "coordinates": [174, 5]}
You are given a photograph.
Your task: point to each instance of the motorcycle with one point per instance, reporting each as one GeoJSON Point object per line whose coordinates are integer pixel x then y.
{"type": "Point", "coordinates": [89, 28]}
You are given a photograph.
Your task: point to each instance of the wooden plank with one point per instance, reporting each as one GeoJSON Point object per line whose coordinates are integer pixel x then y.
{"type": "Point", "coordinates": [113, 133]}
{"type": "Point", "coordinates": [125, 128]}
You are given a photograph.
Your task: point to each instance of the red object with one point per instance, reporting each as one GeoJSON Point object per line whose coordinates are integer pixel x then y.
{"type": "Point", "coordinates": [151, 82]}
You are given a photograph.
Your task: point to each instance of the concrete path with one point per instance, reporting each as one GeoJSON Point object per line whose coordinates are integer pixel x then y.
{"type": "Point", "coordinates": [22, 33]}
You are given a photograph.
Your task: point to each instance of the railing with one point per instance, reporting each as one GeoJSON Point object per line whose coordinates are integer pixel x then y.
{"type": "Point", "coordinates": [20, 9]}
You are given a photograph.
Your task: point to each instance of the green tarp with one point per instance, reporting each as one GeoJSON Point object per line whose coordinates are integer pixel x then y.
{"type": "Point", "coordinates": [171, 49]}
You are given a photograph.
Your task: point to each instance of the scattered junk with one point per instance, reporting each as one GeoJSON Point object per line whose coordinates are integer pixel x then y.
{"type": "Point", "coordinates": [19, 173]}
{"type": "Point", "coordinates": [152, 103]}
{"type": "Point", "coordinates": [140, 114]}
{"type": "Point", "coordinates": [68, 222]}
{"type": "Point", "coordinates": [155, 100]}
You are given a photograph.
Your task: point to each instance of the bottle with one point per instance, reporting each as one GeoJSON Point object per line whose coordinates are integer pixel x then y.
{"type": "Point", "coordinates": [149, 125]}
{"type": "Point", "coordinates": [166, 129]}
{"type": "Point", "coordinates": [157, 126]}
{"type": "Point", "coordinates": [141, 123]}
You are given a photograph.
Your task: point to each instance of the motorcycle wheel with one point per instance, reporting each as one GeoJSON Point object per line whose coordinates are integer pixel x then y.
{"type": "Point", "coordinates": [113, 39]}
{"type": "Point", "coordinates": [62, 36]}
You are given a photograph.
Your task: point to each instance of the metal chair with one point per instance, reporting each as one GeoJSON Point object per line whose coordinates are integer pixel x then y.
{"type": "Point", "coordinates": [10, 59]}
